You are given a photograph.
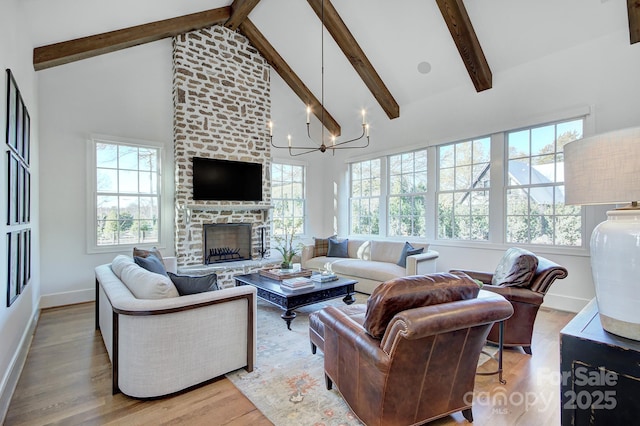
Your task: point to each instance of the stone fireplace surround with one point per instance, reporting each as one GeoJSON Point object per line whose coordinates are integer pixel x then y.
{"type": "Point", "coordinates": [221, 96]}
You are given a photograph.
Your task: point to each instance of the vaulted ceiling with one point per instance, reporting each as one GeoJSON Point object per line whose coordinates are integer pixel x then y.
{"type": "Point", "coordinates": [372, 48]}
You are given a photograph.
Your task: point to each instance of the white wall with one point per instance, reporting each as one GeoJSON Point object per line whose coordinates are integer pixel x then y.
{"type": "Point", "coordinates": [17, 321]}
{"type": "Point", "coordinates": [126, 94]}
{"type": "Point", "coordinates": [600, 76]}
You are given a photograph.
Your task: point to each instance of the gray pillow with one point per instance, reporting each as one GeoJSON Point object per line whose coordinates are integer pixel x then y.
{"type": "Point", "coordinates": [187, 284]}
{"type": "Point", "coordinates": [151, 263]}
{"type": "Point", "coordinates": [338, 248]}
{"type": "Point", "coordinates": [408, 250]}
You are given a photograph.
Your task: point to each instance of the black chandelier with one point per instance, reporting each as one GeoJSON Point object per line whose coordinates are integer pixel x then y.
{"type": "Point", "coordinates": [331, 143]}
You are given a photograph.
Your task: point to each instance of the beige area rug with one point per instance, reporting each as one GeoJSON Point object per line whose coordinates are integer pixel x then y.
{"type": "Point", "coordinates": [287, 384]}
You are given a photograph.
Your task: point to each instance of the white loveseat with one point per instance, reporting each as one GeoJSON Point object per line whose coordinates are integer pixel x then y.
{"type": "Point", "coordinates": [161, 346]}
{"type": "Point", "coordinates": [372, 262]}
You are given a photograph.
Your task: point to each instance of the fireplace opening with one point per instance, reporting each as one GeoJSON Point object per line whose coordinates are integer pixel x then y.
{"type": "Point", "coordinates": [226, 242]}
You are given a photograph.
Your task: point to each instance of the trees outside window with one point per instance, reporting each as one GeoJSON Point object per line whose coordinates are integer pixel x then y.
{"type": "Point", "coordinates": [463, 190]}
{"type": "Point", "coordinates": [365, 197]}
{"type": "Point", "coordinates": [127, 188]}
{"type": "Point", "coordinates": [288, 199]}
{"type": "Point", "coordinates": [407, 194]}
{"type": "Point", "coordinates": [535, 209]}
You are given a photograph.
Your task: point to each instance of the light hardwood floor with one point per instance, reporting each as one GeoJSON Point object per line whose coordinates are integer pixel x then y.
{"type": "Point", "coordinates": [67, 380]}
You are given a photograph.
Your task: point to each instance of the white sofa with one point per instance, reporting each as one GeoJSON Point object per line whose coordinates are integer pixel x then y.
{"type": "Point", "coordinates": [161, 346]}
{"type": "Point", "coordinates": [372, 262]}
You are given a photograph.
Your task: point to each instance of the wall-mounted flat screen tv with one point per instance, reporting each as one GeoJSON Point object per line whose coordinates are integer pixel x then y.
{"type": "Point", "coordinates": [226, 180]}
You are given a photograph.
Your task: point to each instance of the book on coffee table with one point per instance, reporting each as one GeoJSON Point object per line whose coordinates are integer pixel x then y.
{"type": "Point", "coordinates": [297, 282]}
{"type": "Point", "coordinates": [323, 278]}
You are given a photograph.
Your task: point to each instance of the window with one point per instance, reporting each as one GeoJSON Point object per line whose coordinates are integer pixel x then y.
{"type": "Point", "coordinates": [407, 194]}
{"type": "Point", "coordinates": [463, 190]}
{"type": "Point", "coordinates": [536, 213]}
{"type": "Point", "coordinates": [288, 198]}
{"type": "Point", "coordinates": [365, 197]}
{"type": "Point", "coordinates": [127, 193]}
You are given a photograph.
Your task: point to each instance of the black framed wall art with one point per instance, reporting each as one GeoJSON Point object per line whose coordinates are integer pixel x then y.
{"type": "Point", "coordinates": [17, 182]}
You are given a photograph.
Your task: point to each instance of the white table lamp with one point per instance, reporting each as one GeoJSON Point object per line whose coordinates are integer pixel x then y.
{"type": "Point", "coordinates": [605, 169]}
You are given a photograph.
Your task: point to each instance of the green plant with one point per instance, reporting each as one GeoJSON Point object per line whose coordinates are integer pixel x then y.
{"type": "Point", "coordinates": [285, 245]}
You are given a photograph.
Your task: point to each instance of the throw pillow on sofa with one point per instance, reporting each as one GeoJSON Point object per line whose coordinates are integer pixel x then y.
{"type": "Point", "coordinates": [321, 246]}
{"type": "Point", "coordinates": [338, 248]}
{"type": "Point", "coordinates": [187, 284]}
{"type": "Point", "coordinates": [142, 283]}
{"type": "Point", "coordinates": [151, 263]}
{"type": "Point", "coordinates": [408, 250]}
{"type": "Point", "coordinates": [137, 252]}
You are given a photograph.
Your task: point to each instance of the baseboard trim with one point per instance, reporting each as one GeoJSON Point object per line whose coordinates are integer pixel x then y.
{"type": "Point", "coordinates": [67, 298]}
{"type": "Point", "coordinates": [564, 303]}
{"type": "Point", "coordinates": [10, 380]}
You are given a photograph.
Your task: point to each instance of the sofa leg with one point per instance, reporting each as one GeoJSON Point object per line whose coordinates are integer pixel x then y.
{"type": "Point", "coordinates": [527, 349]}
{"type": "Point", "coordinates": [328, 382]}
{"type": "Point", "coordinates": [468, 415]}
{"type": "Point", "coordinates": [313, 348]}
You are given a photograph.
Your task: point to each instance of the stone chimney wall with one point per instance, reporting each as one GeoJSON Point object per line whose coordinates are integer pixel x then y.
{"type": "Point", "coordinates": [221, 95]}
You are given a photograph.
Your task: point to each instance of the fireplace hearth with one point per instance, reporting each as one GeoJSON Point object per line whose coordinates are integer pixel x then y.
{"type": "Point", "coordinates": [226, 242]}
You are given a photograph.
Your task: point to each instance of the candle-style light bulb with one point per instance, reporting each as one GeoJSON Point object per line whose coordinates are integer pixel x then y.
{"type": "Point", "coordinates": [367, 130]}
{"type": "Point", "coordinates": [270, 128]}
{"type": "Point", "coordinates": [289, 137]}
{"type": "Point", "coordinates": [364, 121]}
{"type": "Point", "coordinates": [308, 114]}
{"type": "Point", "coordinates": [333, 140]}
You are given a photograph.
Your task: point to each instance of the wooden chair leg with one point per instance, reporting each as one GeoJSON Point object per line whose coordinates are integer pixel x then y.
{"type": "Point", "coordinates": [313, 348]}
{"type": "Point", "coordinates": [328, 382]}
{"type": "Point", "coordinates": [468, 415]}
{"type": "Point", "coordinates": [527, 349]}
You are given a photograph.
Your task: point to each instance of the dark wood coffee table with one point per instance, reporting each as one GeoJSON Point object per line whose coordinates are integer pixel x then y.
{"type": "Point", "coordinates": [270, 291]}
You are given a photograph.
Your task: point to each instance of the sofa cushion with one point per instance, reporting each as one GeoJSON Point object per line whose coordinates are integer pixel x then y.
{"type": "Point", "coordinates": [321, 246]}
{"type": "Point", "coordinates": [408, 250]}
{"type": "Point", "coordinates": [368, 269]}
{"type": "Point", "coordinates": [516, 268]}
{"type": "Point", "coordinates": [338, 248]}
{"type": "Point", "coordinates": [404, 293]}
{"type": "Point", "coordinates": [151, 263]}
{"type": "Point", "coordinates": [386, 251]}
{"type": "Point", "coordinates": [138, 252]}
{"type": "Point", "coordinates": [187, 284]}
{"type": "Point", "coordinates": [142, 283]}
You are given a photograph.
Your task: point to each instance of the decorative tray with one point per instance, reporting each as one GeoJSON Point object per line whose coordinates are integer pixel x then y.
{"type": "Point", "coordinates": [283, 274]}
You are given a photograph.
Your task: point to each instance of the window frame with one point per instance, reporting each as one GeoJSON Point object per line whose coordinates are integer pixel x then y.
{"type": "Point", "coordinates": [389, 195]}
{"type": "Point", "coordinates": [303, 199]}
{"type": "Point", "coordinates": [470, 189]}
{"type": "Point", "coordinates": [555, 185]}
{"type": "Point", "coordinates": [380, 197]}
{"type": "Point", "coordinates": [92, 195]}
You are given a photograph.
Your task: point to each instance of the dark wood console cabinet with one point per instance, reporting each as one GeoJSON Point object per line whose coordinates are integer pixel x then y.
{"type": "Point", "coordinates": [600, 373]}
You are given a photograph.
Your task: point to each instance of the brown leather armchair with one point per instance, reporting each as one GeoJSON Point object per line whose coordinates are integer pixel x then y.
{"type": "Point", "coordinates": [410, 355]}
{"type": "Point", "coordinates": [523, 278]}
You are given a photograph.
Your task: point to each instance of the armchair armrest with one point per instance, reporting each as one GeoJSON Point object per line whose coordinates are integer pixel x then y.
{"type": "Point", "coordinates": [485, 277]}
{"type": "Point", "coordinates": [516, 294]}
{"type": "Point", "coordinates": [423, 263]}
{"type": "Point", "coordinates": [341, 326]}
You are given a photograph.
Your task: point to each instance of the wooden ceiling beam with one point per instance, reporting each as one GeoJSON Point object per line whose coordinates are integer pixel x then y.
{"type": "Point", "coordinates": [284, 70]}
{"type": "Point", "coordinates": [240, 10]}
{"type": "Point", "coordinates": [459, 24]}
{"type": "Point", "coordinates": [86, 47]}
{"type": "Point", "coordinates": [350, 47]}
{"type": "Point", "coordinates": [633, 8]}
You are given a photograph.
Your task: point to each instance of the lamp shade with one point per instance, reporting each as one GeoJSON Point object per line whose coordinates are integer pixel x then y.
{"type": "Point", "coordinates": [603, 169]}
